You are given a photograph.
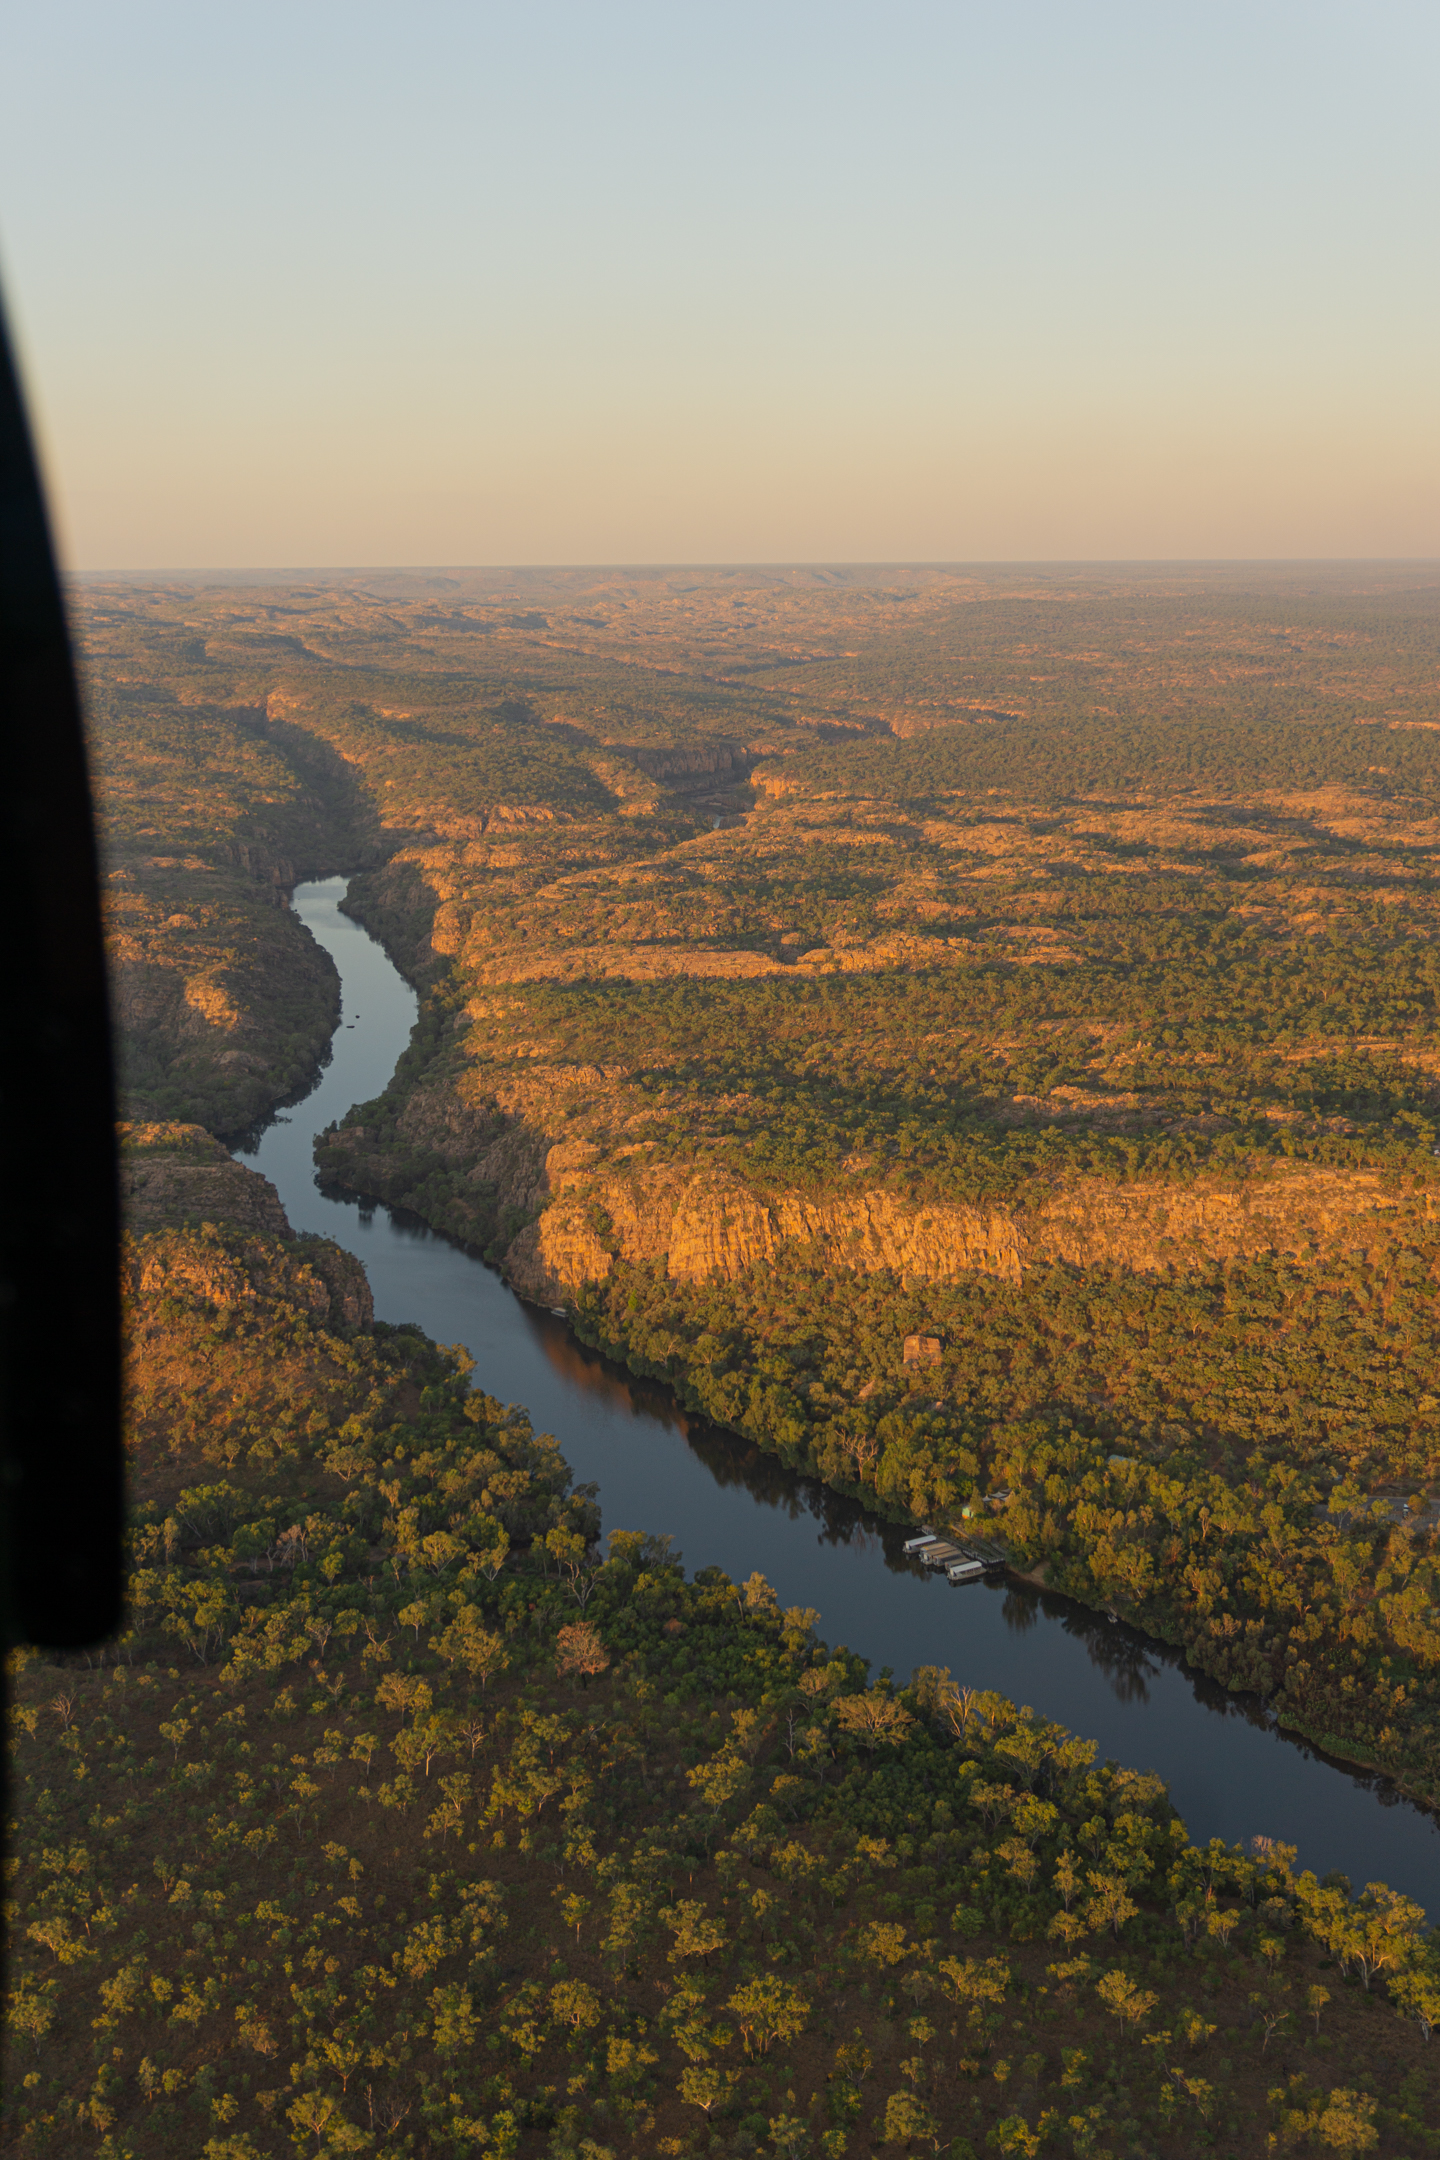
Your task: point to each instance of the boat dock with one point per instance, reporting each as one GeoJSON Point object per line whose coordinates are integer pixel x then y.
{"type": "Point", "coordinates": [963, 1560]}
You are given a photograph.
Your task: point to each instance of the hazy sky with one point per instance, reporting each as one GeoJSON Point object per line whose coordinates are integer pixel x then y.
{"type": "Point", "coordinates": [346, 284]}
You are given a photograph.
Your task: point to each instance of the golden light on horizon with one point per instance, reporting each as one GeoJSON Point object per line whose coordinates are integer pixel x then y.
{"type": "Point", "coordinates": [997, 290]}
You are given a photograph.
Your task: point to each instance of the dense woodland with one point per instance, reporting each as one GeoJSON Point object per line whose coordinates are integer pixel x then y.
{"type": "Point", "coordinates": [1213, 1473]}
{"type": "Point", "coordinates": [406, 1818]}
{"type": "Point", "coordinates": [963, 890]}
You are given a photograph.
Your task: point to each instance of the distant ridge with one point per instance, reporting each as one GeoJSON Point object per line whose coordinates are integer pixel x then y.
{"type": "Point", "coordinates": [479, 582]}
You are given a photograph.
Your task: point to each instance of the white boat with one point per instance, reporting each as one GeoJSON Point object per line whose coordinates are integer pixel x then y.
{"type": "Point", "coordinates": [918, 1544]}
{"type": "Point", "coordinates": [965, 1570]}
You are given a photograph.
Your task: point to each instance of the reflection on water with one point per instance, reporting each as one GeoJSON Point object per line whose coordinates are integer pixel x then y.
{"type": "Point", "coordinates": [1128, 1661]}
{"type": "Point", "coordinates": [730, 1459]}
{"type": "Point", "coordinates": [1124, 1664]}
{"type": "Point", "coordinates": [726, 1503]}
{"type": "Point", "coordinates": [839, 1520]}
{"type": "Point", "coordinates": [577, 1366]}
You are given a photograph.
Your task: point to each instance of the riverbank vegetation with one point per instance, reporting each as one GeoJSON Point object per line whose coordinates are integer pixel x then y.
{"type": "Point", "coordinates": [407, 1818]}
{"type": "Point", "coordinates": [1240, 1458]}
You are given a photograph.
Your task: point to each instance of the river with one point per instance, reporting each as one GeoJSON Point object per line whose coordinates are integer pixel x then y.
{"type": "Point", "coordinates": [1231, 1772]}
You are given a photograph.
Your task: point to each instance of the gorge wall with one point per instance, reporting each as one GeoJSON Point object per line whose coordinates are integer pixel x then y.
{"type": "Point", "coordinates": [590, 1212]}
{"type": "Point", "coordinates": [704, 1226]}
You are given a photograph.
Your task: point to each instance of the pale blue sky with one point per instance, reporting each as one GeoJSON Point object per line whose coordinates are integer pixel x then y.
{"type": "Point", "coordinates": [324, 284]}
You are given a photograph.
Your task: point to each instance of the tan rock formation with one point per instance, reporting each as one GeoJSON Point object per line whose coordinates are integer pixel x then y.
{"type": "Point", "coordinates": [351, 1304]}
{"type": "Point", "coordinates": [175, 1176]}
{"type": "Point", "coordinates": [708, 1225]}
{"type": "Point", "coordinates": [172, 1174]}
{"type": "Point", "coordinates": [617, 961]}
{"type": "Point", "coordinates": [688, 768]}
{"type": "Point", "coordinates": [1146, 1225]}
{"type": "Point", "coordinates": [330, 1284]}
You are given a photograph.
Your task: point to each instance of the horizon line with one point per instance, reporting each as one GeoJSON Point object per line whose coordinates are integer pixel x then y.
{"type": "Point", "coordinates": [807, 562]}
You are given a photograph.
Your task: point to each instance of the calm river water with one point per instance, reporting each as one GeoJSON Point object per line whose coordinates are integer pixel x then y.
{"type": "Point", "coordinates": [1231, 1772]}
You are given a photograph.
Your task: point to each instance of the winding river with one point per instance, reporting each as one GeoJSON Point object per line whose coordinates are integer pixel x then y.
{"type": "Point", "coordinates": [1231, 1772]}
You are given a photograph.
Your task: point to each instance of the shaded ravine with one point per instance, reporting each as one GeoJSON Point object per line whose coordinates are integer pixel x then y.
{"type": "Point", "coordinates": [1231, 1772]}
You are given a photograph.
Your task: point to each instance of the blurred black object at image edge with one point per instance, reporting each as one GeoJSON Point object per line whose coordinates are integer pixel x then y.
{"type": "Point", "coordinates": [60, 1501]}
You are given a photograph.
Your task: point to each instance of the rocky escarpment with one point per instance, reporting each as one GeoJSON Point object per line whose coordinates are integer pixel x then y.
{"type": "Point", "coordinates": [687, 769]}
{"type": "Point", "coordinates": [171, 1174]}
{"type": "Point", "coordinates": [175, 1176]}
{"type": "Point", "coordinates": [212, 807]}
{"type": "Point", "coordinates": [590, 1210]}
{"type": "Point", "coordinates": [705, 1225]}
{"type": "Point", "coordinates": [327, 1283]}
{"type": "Point", "coordinates": [222, 1000]}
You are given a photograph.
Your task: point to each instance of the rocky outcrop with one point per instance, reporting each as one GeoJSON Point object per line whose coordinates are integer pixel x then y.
{"type": "Point", "coordinates": [179, 1177]}
{"type": "Point", "coordinates": [598, 1204]}
{"type": "Point", "coordinates": [706, 1225]}
{"type": "Point", "coordinates": [347, 1286]}
{"type": "Point", "coordinates": [276, 875]}
{"type": "Point", "coordinates": [616, 960]}
{"type": "Point", "coordinates": [223, 1004]}
{"type": "Point", "coordinates": [328, 1284]}
{"type": "Point", "coordinates": [172, 1174]}
{"type": "Point", "coordinates": [1147, 1225]}
{"type": "Point", "coordinates": [683, 769]}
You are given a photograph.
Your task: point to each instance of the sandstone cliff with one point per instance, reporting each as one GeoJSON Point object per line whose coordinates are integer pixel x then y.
{"type": "Point", "coordinates": [704, 1225]}
{"type": "Point", "coordinates": [328, 1283]}
{"type": "Point", "coordinates": [623, 1197]}
{"type": "Point", "coordinates": [172, 1174]}
{"type": "Point", "coordinates": [176, 1176]}
{"type": "Point", "coordinates": [686, 769]}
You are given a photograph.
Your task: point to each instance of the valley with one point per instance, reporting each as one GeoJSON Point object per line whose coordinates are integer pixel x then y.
{"type": "Point", "coordinates": [807, 958]}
